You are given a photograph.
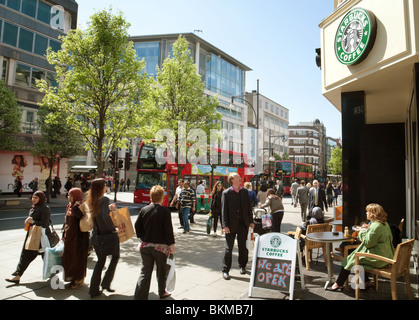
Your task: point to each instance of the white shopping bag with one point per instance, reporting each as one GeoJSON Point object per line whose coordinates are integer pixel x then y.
{"type": "Point", "coordinates": [171, 275]}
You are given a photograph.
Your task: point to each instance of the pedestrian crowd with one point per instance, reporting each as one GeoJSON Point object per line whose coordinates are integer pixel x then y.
{"type": "Point", "coordinates": [233, 208]}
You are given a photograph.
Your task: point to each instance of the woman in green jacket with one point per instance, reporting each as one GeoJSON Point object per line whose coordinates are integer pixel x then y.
{"type": "Point", "coordinates": [376, 239]}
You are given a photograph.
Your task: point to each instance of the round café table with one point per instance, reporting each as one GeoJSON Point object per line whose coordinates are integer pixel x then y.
{"type": "Point", "coordinates": [328, 238]}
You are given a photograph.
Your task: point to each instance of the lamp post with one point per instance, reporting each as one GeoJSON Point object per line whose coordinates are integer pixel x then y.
{"type": "Point", "coordinates": [256, 112]}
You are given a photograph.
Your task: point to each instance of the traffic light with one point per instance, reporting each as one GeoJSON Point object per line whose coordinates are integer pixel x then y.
{"type": "Point", "coordinates": [112, 159]}
{"type": "Point", "coordinates": [128, 160]}
{"type": "Point", "coordinates": [120, 164]}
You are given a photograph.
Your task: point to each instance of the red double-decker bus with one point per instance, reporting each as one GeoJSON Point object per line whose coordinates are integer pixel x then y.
{"type": "Point", "coordinates": [291, 170]}
{"type": "Point", "coordinates": [151, 173]}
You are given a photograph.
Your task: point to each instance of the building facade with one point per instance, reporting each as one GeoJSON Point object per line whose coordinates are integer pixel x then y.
{"type": "Point", "coordinates": [273, 125]}
{"type": "Point", "coordinates": [222, 74]}
{"type": "Point", "coordinates": [370, 72]}
{"type": "Point", "coordinates": [307, 144]}
{"type": "Point", "coordinates": [27, 29]}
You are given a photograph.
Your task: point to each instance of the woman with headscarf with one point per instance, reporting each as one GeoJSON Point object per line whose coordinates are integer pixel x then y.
{"type": "Point", "coordinates": [76, 243]}
{"type": "Point", "coordinates": [39, 215]}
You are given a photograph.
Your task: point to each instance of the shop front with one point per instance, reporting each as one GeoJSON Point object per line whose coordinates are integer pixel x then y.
{"type": "Point", "coordinates": [370, 73]}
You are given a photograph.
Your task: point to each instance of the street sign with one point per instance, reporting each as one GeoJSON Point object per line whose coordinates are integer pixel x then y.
{"type": "Point", "coordinates": [274, 263]}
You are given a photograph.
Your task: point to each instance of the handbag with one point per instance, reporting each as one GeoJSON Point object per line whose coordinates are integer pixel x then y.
{"type": "Point", "coordinates": [171, 273]}
{"type": "Point", "coordinates": [107, 244]}
{"type": "Point", "coordinates": [209, 224]}
{"type": "Point", "coordinates": [122, 220]}
{"type": "Point", "coordinates": [86, 223]}
{"type": "Point", "coordinates": [33, 241]}
{"type": "Point", "coordinates": [52, 235]}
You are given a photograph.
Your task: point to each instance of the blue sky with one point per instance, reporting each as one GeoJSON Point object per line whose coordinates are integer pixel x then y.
{"type": "Point", "coordinates": [275, 38]}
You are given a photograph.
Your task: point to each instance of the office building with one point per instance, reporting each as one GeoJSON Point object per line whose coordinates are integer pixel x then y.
{"type": "Point", "coordinates": [27, 29]}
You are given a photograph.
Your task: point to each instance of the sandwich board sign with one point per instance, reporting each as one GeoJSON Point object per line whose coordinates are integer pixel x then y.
{"type": "Point", "coordinates": [274, 263]}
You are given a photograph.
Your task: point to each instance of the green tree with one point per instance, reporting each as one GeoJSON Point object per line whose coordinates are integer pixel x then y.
{"type": "Point", "coordinates": [101, 87]}
{"type": "Point", "coordinates": [58, 140]}
{"type": "Point", "coordinates": [335, 162]}
{"type": "Point", "coordinates": [10, 115]}
{"type": "Point", "coordinates": [179, 97]}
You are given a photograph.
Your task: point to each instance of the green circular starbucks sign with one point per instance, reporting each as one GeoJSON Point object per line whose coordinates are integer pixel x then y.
{"type": "Point", "coordinates": [355, 36]}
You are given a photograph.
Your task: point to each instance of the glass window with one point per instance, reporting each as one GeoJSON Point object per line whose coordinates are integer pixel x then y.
{"type": "Point", "coordinates": [14, 4]}
{"type": "Point", "coordinates": [29, 116]}
{"type": "Point", "coordinates": [10, 34]}
{"type": "Point", "coordinates": [4, 70]}
{"type": "Point", "coordinates": [2, 1]}
{"type": "Point", "coordinates": [147, 180]}
{"type": "Point", "coordinates": [150, 52]}
{"type": "Point", "coordinates": [29, 7]}
{"type": "Point", "coordinates": [44, 12]}
{"type": "Point", "coordinates": [23, 74]}
{"type": "Point", "coordinates": [41, 44]}
{"type": "Point", "coordinates": [51, 79]}
{"type": "Point", "coordinates": [25, 39]}
{"type": "Point", "coordinates": [55, 46]}
{"type": "Point", "coordinates": [36, 75]}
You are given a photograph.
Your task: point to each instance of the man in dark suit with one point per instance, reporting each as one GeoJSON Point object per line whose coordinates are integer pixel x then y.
{"type": "Point", "coordinates": [316, 197]}
{"type": "Point", "coordinates": [236, 217]}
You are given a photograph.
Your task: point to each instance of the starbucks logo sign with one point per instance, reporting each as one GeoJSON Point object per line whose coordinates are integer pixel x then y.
{"type": "Point", "coordinates": [275, 241]}
{"type": "Point", "coordinates": [355, 36]}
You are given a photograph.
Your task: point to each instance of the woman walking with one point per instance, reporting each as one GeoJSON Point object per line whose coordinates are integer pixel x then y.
{"type": "Point", "coordinates": [154, 228]}
{"type": "Point", "coordinates": [277, 209]}
{"type": "Point", "coordinates": [39, 215]}
{"type": "Point", "coordinates": [104, 238]}
{"type": "Point", "coordinates": [215, 211]}
{"type": "Point", "coordinates": [76, 243]}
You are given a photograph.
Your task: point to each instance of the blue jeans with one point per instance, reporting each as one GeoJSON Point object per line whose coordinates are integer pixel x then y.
{"type": "Point", "coordinates": [185, 215]}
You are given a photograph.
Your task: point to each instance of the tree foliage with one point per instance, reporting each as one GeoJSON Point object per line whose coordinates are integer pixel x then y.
{"type": "Point", "coordinates": [335, 161]}
{"type": "Point", "coordinates": [58, 140]}
{"type": "Point", "coordinates": [179, 97]}
{"type": "Point", "coordinates": [10, 116]}
{"type": "Point", "coordinates": [100, 85]}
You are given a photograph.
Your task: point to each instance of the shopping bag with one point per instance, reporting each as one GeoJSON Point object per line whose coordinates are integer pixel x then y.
{"type": "Point", "coordinates": [250, 240]}
{"type": "Point", "coordinates": [33, 240]}
{"type": "Point", "coordinates": [52, 257]}
{"type": "Point", "coordinates": [122, 220]}
{"type": "Point", "coordinates": [86, 222]}
{"type": "Point", "coordinates": [44, 240]}
{"type": "Point", "coordinates": [209, 224]}
{"type": "Point", "coordinates": [171, 273]}
{"type": "Point", "coordinates": [266, 221]}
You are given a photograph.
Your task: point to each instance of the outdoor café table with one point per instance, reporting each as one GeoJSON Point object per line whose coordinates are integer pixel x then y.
{"type": "Point", "coordinates": [328, 238]}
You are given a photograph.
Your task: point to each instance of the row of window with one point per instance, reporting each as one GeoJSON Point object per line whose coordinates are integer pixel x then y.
{"type": "Point", "coordinates": [273, 121]}
{"type": "Point", "coordinates": [24, 39]}
{"type": "Point", "coordinates": [276, 110]}
{"type": "Point", "coordinates": [26, 76]}
{"type": "Point", "coordinates": [33, 8]}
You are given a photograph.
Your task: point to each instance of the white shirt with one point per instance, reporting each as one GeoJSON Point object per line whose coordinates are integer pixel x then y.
{"type": "Point", "coordinates": [200, 189]}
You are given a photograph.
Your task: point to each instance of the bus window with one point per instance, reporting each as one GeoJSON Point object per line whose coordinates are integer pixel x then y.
{"type": "Point", "coordinates": [147, 180]}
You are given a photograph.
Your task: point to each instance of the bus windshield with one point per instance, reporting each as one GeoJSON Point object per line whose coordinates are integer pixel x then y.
{"type": "Point", "coordinates": [286, 167]}
{"type": "Point", "coordinates": [147, 180]}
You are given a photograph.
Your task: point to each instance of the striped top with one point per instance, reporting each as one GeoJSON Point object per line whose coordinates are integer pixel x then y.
{"type": "Point", "coordinates": [187, 198]}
